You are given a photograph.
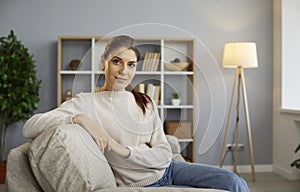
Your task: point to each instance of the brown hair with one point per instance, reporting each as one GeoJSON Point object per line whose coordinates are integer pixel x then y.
{"type": "Point", "coordinates": [141, 99]}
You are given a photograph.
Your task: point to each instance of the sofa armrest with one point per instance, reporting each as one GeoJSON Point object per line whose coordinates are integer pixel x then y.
{"type": "Point", "coordinates": [19, 176]}
{"type": "Point", "coordinates": [66, 158]}
{"type": "Point", "coordinates": [175, 147]}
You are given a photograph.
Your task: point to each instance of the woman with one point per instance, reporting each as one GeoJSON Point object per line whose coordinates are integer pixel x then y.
{"type": "Point", "coordinates": [127, 129]}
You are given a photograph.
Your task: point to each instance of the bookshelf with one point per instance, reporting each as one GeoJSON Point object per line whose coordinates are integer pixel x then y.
{"type": "Point", "coordinates": [157, 52]}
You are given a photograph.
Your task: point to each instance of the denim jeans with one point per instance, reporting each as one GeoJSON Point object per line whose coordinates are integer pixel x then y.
{"type": "Point", "coordinates": [184, 174]}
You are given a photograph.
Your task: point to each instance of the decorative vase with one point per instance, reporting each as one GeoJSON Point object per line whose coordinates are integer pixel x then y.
{"type": "Point", "coordinates": [176, 102]}
{"type": "Point", "coordinates": [74, 64]}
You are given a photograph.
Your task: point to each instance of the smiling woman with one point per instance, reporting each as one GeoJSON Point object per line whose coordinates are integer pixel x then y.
{"type": "Point", "coordinates": [119, 70]}
{"type": "Point", "coordinates": [119, 62]}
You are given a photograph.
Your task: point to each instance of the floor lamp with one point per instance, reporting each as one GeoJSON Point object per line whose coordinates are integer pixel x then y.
{"type": "Point", "coordinates": [239, 55]}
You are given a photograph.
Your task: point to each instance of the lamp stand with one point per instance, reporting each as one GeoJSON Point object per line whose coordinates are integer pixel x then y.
{"type": "Point", "coordinates": [239, 81]}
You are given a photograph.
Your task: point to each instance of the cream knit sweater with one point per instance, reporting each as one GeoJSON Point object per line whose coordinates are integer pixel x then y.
{"type": "Point", "coordinates": [120, 116]}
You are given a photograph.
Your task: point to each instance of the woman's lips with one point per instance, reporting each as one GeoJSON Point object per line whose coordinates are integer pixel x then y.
{"type": "Point", "coordinates": [121, 78]}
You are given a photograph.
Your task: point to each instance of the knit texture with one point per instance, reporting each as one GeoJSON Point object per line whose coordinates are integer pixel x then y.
{"type": "Point", "coordinates": [120, 116]}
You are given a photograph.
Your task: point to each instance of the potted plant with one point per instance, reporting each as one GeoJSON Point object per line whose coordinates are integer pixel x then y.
{"type": "Point", "coordinates": [296, 163]}
{"type": "Point", "coordinates": [176, 99]}
{"type": "Point", "coordinates": [19, 85]}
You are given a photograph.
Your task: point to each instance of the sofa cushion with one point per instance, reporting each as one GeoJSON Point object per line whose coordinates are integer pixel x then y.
{"type": "Point", "coordinates": [19, 176]}
{"type": "Point", "coordinates": [174, 144]}
{"type": "Point", "coordinates": [159, 189]}
{"type": "Point", "coordinates": [175, 147]}
{"type": "Point", "coordinates": [66, 158]}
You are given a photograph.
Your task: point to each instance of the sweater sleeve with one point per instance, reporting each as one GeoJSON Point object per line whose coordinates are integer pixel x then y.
{"type": "Point", "coordinates": [157, 154]}
{"type": "Point", "coordinates": [59, 116]}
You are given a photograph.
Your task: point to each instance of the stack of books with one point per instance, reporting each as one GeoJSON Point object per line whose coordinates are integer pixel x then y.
{"type": "Point", "coordinates": [153, 91]}
{"type": "Point", "coordinates": [151, 61]}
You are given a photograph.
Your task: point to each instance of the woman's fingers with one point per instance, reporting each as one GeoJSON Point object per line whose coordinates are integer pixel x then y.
{"type": "Point", "coordinates": [102, 144]}
{"type": "Point", "coordinates": [108, 146]}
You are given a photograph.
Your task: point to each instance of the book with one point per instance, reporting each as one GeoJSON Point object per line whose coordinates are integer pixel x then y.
{"type": "Point", "coordinates": [153, 91]}
{"type": "Point", "coordinates": [149, 89]}
{"type": "Point", "coordinates": [151, 61]}
{"type": "Point", "coordinates": [157, 94]}
{"type": "Point", "coordinates": [146, 57]}
{"type": "Point", "coordinates": [141, 88]}
{"type": "Point", "coordinates": [156, 61]}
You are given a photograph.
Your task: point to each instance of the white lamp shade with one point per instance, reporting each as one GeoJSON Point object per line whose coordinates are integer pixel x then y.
{"type": "Point", "coordinates": [240, 54]}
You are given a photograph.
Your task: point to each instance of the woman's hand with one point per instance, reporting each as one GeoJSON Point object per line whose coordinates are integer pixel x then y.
{"type": "Point", "coordinates": [100, 136]}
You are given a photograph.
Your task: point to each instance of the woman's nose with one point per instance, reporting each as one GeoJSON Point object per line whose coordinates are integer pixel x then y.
{"type": "Point", "coordinates": [123, 70]}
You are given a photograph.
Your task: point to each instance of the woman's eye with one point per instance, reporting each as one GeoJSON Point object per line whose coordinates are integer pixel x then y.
{"type": "Point", "coordinates": [131, 65]}
{"type": "Point", "coordinates": [116, 61]}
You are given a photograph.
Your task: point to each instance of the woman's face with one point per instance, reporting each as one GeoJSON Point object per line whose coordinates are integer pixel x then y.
{"type": "Point", "coordinates": [120, 68]}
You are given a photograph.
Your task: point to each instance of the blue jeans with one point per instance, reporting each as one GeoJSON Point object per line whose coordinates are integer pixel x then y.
{"type": "Point", "coordinates": [184, 174]}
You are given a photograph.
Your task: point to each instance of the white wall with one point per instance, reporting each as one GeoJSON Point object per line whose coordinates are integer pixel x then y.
{"type": "Point", "coordinates": [211, 22]}
{"type": "Point", "coordinates": [290, 54]}
{"type": "Point", "coordinates": [286, 132]}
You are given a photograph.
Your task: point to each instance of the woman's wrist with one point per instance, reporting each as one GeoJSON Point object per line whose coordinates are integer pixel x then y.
{"type": "Point", "coordinates": [113, 145]}
{"type": "Point", "coordinates": [78, 119]}
{"type": "Point", "coordinates": [119, 149]}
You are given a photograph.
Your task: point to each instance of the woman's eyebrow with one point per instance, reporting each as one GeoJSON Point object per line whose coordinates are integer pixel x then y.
{"type": "Point", "coordinates": [116, 57]}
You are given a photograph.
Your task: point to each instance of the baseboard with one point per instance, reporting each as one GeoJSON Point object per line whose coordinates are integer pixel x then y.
{"type": "Point", "coordinates": [286, 173]}
{"type": "Point", "coordinates": [247, 168]}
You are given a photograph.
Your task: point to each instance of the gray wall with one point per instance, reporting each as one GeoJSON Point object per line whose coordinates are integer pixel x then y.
{"type": "Point", "coordinates": [211, 22]}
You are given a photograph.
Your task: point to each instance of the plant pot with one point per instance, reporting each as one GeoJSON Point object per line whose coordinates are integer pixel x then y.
{"type": "Point", "coordinates": [176, 102]}
{"type": "Point", "coordinates": [2, 172]}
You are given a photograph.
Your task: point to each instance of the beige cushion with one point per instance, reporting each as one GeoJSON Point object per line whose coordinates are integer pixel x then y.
{"type": "Point", "coordinates": [65, 158]}
{"type": "Point", "coordinates": [173, 141]}
{"type": "Point", "coordinates": [19, 175]}
{"type": "Point", "coordinates": [175, 147]}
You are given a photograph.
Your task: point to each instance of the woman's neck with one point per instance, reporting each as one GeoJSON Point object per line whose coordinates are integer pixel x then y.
{"type": "Point", "coordinates": [107, 88]}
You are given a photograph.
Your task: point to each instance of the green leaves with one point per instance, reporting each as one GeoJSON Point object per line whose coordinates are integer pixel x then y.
{"type": "Point", "coordinates": [18, 81]}
{"type": "Point", "coordinates": [297, 149]}
{"type": "Point", "coordinates": [19, 86]}
{"type": "Point", "coordinates": [296, 163]}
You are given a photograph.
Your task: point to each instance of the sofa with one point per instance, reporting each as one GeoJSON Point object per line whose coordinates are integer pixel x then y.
{"type": "Point", "coordinates": [65, 158]}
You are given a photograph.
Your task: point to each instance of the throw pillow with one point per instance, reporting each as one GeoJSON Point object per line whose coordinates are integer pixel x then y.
{"type": "Point", "coordinates": [66, 158]}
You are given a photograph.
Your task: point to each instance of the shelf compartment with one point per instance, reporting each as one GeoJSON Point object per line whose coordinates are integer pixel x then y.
{"type": "Point", "coordinates": [178, 114]}
{"type": "Point", "coordinates": [76, 49]}
{"type": "Point", "coordinates": [181, 85]}
{"type": "Point", "coordinates": [179, 49]}
{"type": "Point", "coordinates": [76, 84]}
{"type": "Point", "coordinates": [150, 51]}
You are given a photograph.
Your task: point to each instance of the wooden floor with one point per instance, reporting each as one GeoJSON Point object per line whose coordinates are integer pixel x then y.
{"type": "Point", "coordinates": [265, 182]}
{"type": "Point", "coordinates": [270, 182]}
